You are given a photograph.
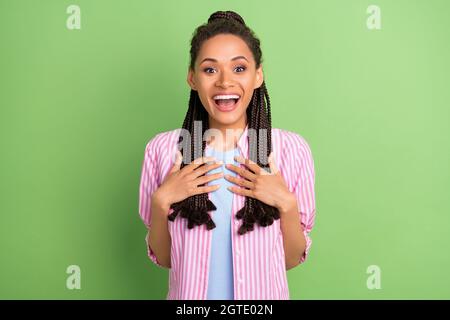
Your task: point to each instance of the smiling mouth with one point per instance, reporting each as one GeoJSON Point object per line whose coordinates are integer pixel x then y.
{"type": "Point", "coordinates": [226, 102]}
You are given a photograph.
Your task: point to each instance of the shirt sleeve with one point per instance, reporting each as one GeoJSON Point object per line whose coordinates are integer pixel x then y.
{"type": "Point", "coordinates": [149, 183]}
{"type": "Point", "coordinates": [304, 189]}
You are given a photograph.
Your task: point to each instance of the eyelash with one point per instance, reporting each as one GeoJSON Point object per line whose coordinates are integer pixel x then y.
{"type": "Point", "coordinates": [244, 68]}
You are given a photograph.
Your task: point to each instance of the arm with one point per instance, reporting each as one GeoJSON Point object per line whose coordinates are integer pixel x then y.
{"type": "Point", "coordinates": [298, 210]}
{"type": "Point", "coordinates": [150, 209]}
{"type": "Point", "coordinates": [156, 199]}
{"type": "Point", "coordinates": [272, 189]}
{"type": "Point", "coordinates": [294, 241]}
{"type": "Point", "coordinates": [159, 240]}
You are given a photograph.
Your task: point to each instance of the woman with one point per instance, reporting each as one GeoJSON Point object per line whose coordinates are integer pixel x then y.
{"type": "Point", "coordinates": [235, 242]}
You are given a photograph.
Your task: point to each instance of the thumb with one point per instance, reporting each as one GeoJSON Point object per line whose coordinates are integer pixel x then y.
{"type": "Point", "coordinates": [177, 163]}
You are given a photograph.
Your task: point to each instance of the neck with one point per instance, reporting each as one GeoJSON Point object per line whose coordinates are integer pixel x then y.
{"type": "Point", "coordinates": [229, 136]}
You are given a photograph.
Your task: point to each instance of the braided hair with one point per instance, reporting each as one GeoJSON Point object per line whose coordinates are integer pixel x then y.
{"type": "Point", "coordinates": [195, 208]}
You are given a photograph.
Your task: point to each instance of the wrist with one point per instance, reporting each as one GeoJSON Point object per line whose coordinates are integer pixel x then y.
{"type": "Point", "coordinates": [288, 205]}
{"type": "Point", "coordinates": [159, 201]}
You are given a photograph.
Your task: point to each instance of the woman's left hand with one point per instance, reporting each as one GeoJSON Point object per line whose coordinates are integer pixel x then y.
{"type": "Point", "coordinates": [268, 187]}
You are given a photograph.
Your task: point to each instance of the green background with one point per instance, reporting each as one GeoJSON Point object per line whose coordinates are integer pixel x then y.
{"type": "Point", "coordinates": [79, 106]}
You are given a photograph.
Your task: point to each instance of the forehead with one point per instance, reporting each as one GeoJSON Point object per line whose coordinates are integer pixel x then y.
{"type": "Point", "coordinates": [224, 47]}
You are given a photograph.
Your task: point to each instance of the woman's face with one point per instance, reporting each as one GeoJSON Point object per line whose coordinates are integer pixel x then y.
{"type": "Point", "coordinates": [225, 70]}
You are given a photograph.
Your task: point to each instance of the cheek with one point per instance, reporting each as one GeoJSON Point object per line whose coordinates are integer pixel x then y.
{"type": "Point", "coordinates": [249, 89]}
{"type": "Point", "coordinates": [204, 100]}
{"type": "Point", "coordinates": [203, 89]}
{"type": "Point", "coordinates": [249, 84]}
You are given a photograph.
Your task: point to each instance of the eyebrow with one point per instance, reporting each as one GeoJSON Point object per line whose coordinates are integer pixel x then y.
{"type": "Point", "coordinates": [214, 60]}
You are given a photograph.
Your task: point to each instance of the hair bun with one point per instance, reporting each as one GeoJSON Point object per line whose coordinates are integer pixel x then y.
{"type": "Point", "coordinates": [230, 15]}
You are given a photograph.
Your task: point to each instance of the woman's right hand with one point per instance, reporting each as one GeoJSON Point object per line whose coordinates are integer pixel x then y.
{"type": "Point", "coordinates": [181, 184]}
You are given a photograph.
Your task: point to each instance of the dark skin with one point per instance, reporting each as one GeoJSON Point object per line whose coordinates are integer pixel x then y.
{"type": "Point", "coordinates": [218, 69]}
{"type": "Point", "coordinates": [225, 64]}
{"type": "Point", "coordinates": [271, 189]}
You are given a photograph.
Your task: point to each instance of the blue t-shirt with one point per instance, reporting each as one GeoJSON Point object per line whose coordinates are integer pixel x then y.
{"type": "Point", "coordinates": [220, 279]}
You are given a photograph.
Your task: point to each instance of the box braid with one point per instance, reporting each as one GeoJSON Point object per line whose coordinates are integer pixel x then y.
{"type": "Point", "coordinates": [195, 208]}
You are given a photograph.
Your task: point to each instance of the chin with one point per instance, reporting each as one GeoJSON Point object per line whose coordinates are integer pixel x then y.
{"type": "Point", "coordinates": [228, 118]}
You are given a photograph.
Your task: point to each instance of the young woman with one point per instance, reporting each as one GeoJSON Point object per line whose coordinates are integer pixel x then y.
{"type": "Point", "coordinates": [230, 223]}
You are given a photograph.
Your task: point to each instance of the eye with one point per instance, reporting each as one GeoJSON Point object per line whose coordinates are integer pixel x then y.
{"type": "Point", "coordinates": [206, 69]}
{"type": "Point", "coordinates": [240, 68]}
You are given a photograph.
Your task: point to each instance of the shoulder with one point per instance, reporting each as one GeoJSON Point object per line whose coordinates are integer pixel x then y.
{"type": "Point", "coordinates": [160, 151]}
{"type": "Point", "coordinates": [295, 158]}
{"type": "Point", "coordinates": [291, 141]}
{"type": "Point", "coordinates": [163, 141]}
{"type": "Point", "coordinates": [162, 147]}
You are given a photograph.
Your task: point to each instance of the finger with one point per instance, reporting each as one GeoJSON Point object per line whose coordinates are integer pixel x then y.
{"type": "Point", "coordinates": [205, 189]}
{"type": "Point", "coordinates": [177, 163]}
{"type": "Point", "coordinates": [240, 182]}
{"type": "Point", "coordinates": [208, 178]}
{"type": "Point", "coordinates": [202, 170]}
{"type": "Point", "coordinates": [241, 191]}
{"type": "Point", "coordinates": [242, 172]}
{"type": "Point", "coordinates": [197, 162]}
{"type": "Point", "coordinates": [249, 164]}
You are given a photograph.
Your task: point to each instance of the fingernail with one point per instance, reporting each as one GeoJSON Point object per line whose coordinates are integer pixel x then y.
{"type": "Point", "coordinates": [219, 162]}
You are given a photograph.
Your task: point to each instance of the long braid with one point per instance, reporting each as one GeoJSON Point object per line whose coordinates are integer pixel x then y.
{"type": "Point", "coordinates": [255, 210]}
{"type": "Point", "coordinates": [195, 208]}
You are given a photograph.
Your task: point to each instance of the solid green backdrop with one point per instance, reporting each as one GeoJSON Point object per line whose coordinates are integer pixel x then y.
{"type": "Point", "coordinates": [79, 106]}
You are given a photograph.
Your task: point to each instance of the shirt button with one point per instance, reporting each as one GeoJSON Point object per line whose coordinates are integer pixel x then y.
{"type": "Point", "coordinates": [240, 280]}
{"type": "Point", "coordinates": [238, 252]}
{"type": "Point", "coordinates": [236, 222]}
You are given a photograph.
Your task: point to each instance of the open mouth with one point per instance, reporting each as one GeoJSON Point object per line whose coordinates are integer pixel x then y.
{"type": "Point", "coordinates": [226, 102]}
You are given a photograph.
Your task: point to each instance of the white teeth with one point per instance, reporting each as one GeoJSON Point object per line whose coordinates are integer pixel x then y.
{"type": "Point", "coordinates": [227, 96]}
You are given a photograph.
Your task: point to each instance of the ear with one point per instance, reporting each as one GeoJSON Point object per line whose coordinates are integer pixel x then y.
{"type": "Point", "coordinates": [190, 79]}
{"type": "Point", "coordinates": [259, 77]}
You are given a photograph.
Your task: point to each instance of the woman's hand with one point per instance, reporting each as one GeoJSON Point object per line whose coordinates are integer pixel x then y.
{"type": "Point", "coordinates": [268, 187]}
{"type": "Point", "coordinates": [181, 184]}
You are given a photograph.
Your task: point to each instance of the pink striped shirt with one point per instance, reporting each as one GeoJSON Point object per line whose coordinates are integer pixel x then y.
{"type": "Point", "coordinates": [259, 268]}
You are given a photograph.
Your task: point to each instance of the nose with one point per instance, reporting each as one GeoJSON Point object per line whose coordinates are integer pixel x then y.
{"type": "Point", "coordinates": [225, 80]}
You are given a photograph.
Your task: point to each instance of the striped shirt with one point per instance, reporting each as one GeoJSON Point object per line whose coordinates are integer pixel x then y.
{"type": "Point", "coordinates": [259, 269]}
